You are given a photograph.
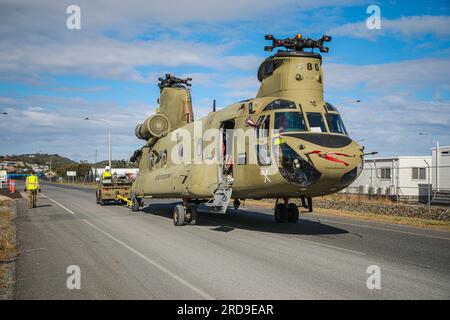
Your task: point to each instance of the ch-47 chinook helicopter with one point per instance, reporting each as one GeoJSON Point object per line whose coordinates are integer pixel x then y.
{"type": "Point", "coordinates": [286, 143]}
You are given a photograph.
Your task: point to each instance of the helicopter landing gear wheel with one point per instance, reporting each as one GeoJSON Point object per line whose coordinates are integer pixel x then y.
{"type": "Point", "coordinates": [281, 213]}
{"type": "Point", "coordinates": [135, 203]}
{"type": "Point", "coordinates": [292, 213]}
{"type": "Point", "coordinates": [179, 215]}
{"type": "Point", "coordinates": [193, 215]}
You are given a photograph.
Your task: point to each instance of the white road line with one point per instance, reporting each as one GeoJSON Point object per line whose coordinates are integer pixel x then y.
{"type": "Point", "coordinates": [155, 264]}
{"type": "Point", "coordinates": [147, 259]}
{"type": "Point", "coordinates": [384, 229]}
{"type": "Point", "coordinates": [328, 245]}
{"type": "Point", "coordinates": [68, 210]}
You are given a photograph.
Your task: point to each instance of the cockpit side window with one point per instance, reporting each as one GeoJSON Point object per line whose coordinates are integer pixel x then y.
{"type": "Point", "coordinates": [280, 104]}
{"type": "Point", "coordinates": [335, 123]}
{"type": "Point", "coordinates": [316, 122]}
{"type": "Point", "coordinates": [330, 107]}
{"type": "Point", "coordinates": [289, 121]}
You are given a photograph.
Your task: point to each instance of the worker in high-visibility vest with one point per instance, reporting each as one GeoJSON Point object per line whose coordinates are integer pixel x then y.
{"type": "Point", "coordinates": [32, 187]}
{"type": "Point", "coordinates": [107, 176]}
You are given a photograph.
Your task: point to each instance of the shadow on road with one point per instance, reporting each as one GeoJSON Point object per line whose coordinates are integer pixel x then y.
{"type": "Point", "coordinates": [43, 205]}
{"type": "Point", "coordinates": [247, 220]}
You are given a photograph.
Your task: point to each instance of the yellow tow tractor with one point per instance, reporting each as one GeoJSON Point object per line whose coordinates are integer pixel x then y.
{"type": "Point", "coordinates": [116, 191]}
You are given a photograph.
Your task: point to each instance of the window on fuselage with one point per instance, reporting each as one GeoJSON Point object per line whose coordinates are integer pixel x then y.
{"type": "Point", "coordinates": [289, 121]}
{"type": "Point", "coordinates": [330, 107]}
{"type": "Point", "coordinates": [280, 104]}
{"type": "Point", "coordinates": [262, 146]}
{"type": "Point", "coordinates": [316, 122]}
{"type": "Point", "coordinates": [335, 123]}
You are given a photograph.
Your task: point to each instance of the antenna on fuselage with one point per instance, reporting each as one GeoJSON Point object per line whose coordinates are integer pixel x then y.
{"type": "Point", "coordinates": [214, 105]}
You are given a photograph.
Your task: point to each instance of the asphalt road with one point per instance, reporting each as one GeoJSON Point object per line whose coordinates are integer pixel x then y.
{"type": "Point", "coordinates": [242, 255]}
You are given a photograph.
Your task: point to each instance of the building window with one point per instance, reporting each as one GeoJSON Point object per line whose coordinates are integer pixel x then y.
{"type": "Point", "coordinates": [385, 173]}
{"type": "Point", "coordinates": [419, 173]}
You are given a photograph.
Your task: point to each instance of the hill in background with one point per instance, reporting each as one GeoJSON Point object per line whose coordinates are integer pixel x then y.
{"type": "Point", "coordinates": [41, 159]}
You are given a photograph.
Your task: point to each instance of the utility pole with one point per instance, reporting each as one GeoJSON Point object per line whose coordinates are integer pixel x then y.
{"type": "Point", "coordinates": [437, 165]}
{"type": "Point", "coordinates": [95, 166]}
{"type": "Point", "coordinates": [109, 136]}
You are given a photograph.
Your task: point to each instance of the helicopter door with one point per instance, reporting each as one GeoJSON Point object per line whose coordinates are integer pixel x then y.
{"type": "Point", "coordinates": [263, 142]}
{"type": "Point", "coordinates": [226, 158]}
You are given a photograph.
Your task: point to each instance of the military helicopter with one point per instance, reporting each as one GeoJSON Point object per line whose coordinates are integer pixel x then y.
{"type": "Point", "coordinates": [287, 143]}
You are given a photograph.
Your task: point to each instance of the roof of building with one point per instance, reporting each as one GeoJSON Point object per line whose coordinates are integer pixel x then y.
{"type": "Point", "coordinates": [443, 147]}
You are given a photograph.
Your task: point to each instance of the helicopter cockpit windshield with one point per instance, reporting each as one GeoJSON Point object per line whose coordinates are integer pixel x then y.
{"type": "Point", "coordinates": [335, 123]}
{"type": "Point", "coordinates": [334, 120]}
{"type": "Point", "coordinates": [289, 121]}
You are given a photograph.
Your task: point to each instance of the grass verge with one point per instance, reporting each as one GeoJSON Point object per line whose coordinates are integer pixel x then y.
{"type": "Point", "coordinates": [8, 249]}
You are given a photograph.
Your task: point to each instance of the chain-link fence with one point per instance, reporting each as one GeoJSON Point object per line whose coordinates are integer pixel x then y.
{"type": "Point", "coordinates": [423, 184]}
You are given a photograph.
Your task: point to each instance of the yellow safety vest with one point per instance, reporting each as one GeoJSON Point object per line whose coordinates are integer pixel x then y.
{"type": "Point", "coordinates": [106, 175]}
{"type": "Point", "coordinates": [32, 182]}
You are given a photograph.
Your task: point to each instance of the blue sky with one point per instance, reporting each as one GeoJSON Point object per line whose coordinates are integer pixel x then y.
{"type": "Point", "coordinates": [52, 77]}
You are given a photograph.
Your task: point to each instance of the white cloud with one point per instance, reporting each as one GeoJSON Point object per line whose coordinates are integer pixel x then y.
{"type": "Point", "coordinates": [113, 59]}
{"type": "Point", "coordinates": [119, 38]}
{"type": "Point", "coordinates": [63, 130]}
{"type": "Point", "coordinates": [391, 115]}
{"type": "Point", "coordinates": [408, 27]}
{"type": "Point", "coordinates": [422, 73]}
{"type": "Point", "coordinates": [81, 89]}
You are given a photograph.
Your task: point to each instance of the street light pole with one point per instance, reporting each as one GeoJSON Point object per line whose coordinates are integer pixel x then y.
{"type": "Point", "coordinates": [109, 136]}
{"type": "Point", "coordinates": [437, 156]}
{"type": "Point", "coordinates": [349, 101]}
{"type": "Point", "coordinates": [109, 142]}
{"type": "Point", "coordinates": [95, 166]}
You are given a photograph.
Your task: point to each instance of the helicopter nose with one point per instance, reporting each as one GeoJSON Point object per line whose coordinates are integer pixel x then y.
{"type": "Point", "coordinates": [328, 169]}
{"type": "Point", "coordinates": [338, 169]}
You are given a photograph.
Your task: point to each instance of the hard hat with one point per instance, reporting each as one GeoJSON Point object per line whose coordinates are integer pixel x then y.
{"type": "Point", "coordinates": [107, 168]}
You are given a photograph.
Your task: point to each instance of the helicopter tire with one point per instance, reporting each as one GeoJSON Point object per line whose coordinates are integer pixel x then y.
{"type": "Point", "coordinates": [193, 220]}
{"type": "Point", "coordinates": [236, 204]}
{"type": "Point", "coordinates": [281, 213]}
{"type": "Point", "coordinates": [179, 215]}
{"type": "Point", "coordinates": [135, 203]}
{"type": "Point", "coordinates": [293, 213]}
